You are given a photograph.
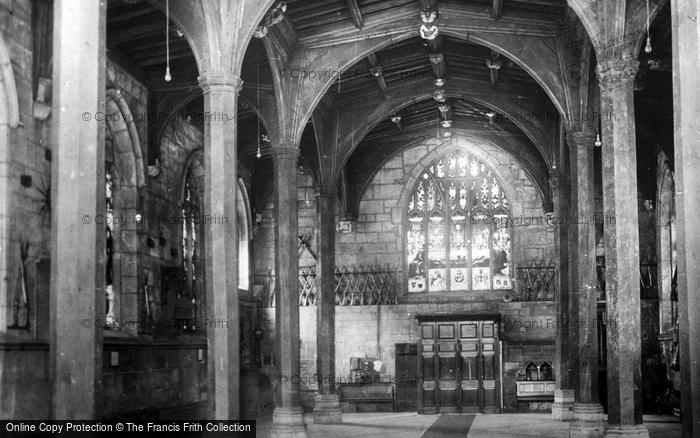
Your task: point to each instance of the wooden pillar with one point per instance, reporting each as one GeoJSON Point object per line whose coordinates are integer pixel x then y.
{"type": "Point", "coordinates": [221, 242]}
{"type": "Point", "coordinates": [288, 415]}
{"type": "Point", "coordinates": [562, 408]}
{"type": "Point", "coordinates": [588, 412]}
{"type": "Point", "coordinates": [624, 350]}
{"type": "Point", "coordinates": [686, 83]}
{"type": "Point", "coordinates": [77, 241]}
{"type": "Point", "coordinates": [327, 407]}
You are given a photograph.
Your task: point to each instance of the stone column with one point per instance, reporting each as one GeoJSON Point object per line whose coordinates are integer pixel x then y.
{"type": "Point", "coordinates": [562, 408]}
{"type": "Point", "coordinates": [77, 242]}
{"type": "Point", "coordinates": [616, 79]}
{"type": "Point", "coordinates": [588, 412]}
{"type": "Point", "coordinates": [327, 408]}
{"type": "Point", "coordinates": [288, 415]}
{"type": "Point", "coordinates": [221, 242]}
{"type": "Point", "coordinates": [686, 83]}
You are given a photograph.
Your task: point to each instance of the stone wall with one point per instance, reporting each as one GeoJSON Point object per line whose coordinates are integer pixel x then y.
{"type": "Point", "coordinates": [264, 231]}
{"type": "Point", "coordinates": [161, 236]}
{"type": "Point", "coordinates": [379, 235]}
{"type": "Point", "coordinates": [25, 386]}
{"type": "Point", "coordinates": [25, 165]}
{"type": "Point", "coordinates": [527, 330]}
{"type": "Point", "coordinates": [158, 379]}
{"type": "Point", "coordinates": [25, 175]}
{"type": "Point", "coordinates": [158, 373]}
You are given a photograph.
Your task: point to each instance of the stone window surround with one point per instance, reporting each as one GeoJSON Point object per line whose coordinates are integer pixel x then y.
{"type": "Point", "coordinates": [488, 153]}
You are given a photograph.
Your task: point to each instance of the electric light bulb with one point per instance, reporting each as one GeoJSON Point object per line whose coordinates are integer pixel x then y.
{"type": "Point", "coordinates": [647, 49]}
{"type": "Point", "coordinates": [168, 77]}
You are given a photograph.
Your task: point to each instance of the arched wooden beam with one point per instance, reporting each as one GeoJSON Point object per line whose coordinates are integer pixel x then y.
{"type": "Point", "coordinates": [541, 135]}
{"type": "Point", "coordinates": [516, 146]}
{"type": "Point", "coordinates": [299, 97]}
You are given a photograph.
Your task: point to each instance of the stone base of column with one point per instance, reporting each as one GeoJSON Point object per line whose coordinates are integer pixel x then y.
{"type": "Point", "coordinates": [288, 423]}
{"type": "Point", "coordinates": [636, 431]}
{"type": "Point", "coordinates": [588, 421]}
{"type": "Point", "coordinates": [327, 409]}
{"type": "Point", "coordinates": [563, 406]}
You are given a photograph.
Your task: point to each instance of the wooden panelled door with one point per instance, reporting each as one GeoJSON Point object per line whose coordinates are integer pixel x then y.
{"type": "Point", "coordinates": [406, 377]}
{"type": "Point", "coordinates": [459, 367]}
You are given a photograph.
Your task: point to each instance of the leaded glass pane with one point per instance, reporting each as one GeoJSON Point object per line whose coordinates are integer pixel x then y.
{"type": "Point", "coordinates": [109, 225]}
{"type": "Point", "coordinates": [457, 236]}
{"type": "Point", "coordinates": [416, 247]}
{"type": "Point", "coordinates": [440, 168]}
{"type": "Point", "coordinates": [500, 246]}
{"type": "Point", "coordinates": [452, 170]}
{"type": "Point", "coordinates": [463, 195]}
{"type": "Point", "coordinates": [437, 253]}
{"type": "Point", "coordinates": [462, 165]}
{"type": "Point", "coordinates": [459, 253]}
{"type": "Point", "coordinates": [432, 196]}
{"type": "Point", "coordinates": [452, 195]}
{"type": "Point", "coordinates": [480, 253]}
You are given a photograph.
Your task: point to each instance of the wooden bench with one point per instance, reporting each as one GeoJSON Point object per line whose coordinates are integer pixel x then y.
{"type": "Point", "coordinates": [367, 393]}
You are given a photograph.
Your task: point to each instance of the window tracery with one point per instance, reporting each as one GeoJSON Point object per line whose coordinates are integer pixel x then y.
{"type": "Point", "coordinates": [458, 235]}
{"type": "Point", "coordinates": [191, 220]}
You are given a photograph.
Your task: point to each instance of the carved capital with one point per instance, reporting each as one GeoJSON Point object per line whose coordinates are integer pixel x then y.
{"type": "Point", "coordinates": [220, 81]}
{"type": "Point", "coordinates": [581, 139]}
{"type": "Point", "coordinates": [617, 72]}
{"type": "Point", "coordinates": [327, 191]}
{"type": "Point", "coordinates": [285, 153]}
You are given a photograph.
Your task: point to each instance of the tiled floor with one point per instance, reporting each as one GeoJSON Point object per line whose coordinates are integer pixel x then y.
{"type": "Point", "coordinates": [411, 425]}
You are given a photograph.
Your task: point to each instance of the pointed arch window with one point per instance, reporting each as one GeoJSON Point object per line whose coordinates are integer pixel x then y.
{"type": "Point", "coordinates": [191, 259]}
{"type": "Point", "coordinates": [457, 233]}
{"type": "Point", "coordinates": [111, 321]}
{"type": "Point", "coordinates": [110, 318]}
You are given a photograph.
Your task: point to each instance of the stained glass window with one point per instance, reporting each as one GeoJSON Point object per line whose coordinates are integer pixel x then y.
{"type": "Point", "coordinates": [110, 189]}
{"type": "Point", "coordinates": [190, 245]}
{"type": "Point", "coordinates": [110, 318]}
{"type": "Point", "coordinates": [458, 235]}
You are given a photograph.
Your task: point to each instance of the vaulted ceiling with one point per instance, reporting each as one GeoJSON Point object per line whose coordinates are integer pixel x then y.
{"type": "Point", "coordinates": [487, 93]}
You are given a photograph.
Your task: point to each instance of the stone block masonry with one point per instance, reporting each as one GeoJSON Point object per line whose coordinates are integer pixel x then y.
{"type": "Point", "coordinates": [378, 237]}
{"type": "Point", "coordinates": [381, 211]}
{"type": "Point", "coordinates": [527, 330]}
